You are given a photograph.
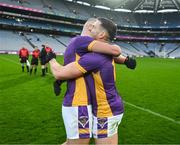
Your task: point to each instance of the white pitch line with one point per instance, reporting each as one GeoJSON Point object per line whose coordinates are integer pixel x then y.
{"type": "Point", "coordinates": [152, 112]}
{"type": "Point", "coordinates": [130, 104]}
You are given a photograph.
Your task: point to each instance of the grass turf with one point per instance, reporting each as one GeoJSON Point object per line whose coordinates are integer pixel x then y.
{"type": "Point", "coordinates": [31, 114]}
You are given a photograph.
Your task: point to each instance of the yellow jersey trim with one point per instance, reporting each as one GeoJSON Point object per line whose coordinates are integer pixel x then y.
{"type": "Point", "coordinates": [91, 45]}
{"type": "Point", "coordinates": [80, 67]}
{"type": "Point", "coordinates": [104, 109]}
{"type": "Point", "coordinates": [80, 94]}
{"type": "Point", "coordinates": [113, 63]}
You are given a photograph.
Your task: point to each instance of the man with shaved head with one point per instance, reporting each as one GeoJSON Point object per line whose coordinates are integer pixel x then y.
{"type": "Point", "coordinates": [91, 103]}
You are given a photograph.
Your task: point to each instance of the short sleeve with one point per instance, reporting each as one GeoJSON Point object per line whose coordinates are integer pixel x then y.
{"type": "Point", "coordinates": [91, 62]}
{"type": "Point", "coordinates": [83, 44]}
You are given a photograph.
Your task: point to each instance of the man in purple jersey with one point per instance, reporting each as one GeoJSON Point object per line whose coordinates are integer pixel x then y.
{"type": "Point", "coordinates": [76, 109]}
{"type": "Point", "coordinates": [82, 45]}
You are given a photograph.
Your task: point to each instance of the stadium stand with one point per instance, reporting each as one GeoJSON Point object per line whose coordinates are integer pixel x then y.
{"type": "Point", "coordinates": [166, 50]}
{"type": "Point", "coordinates": [12, 41]}
{"type": "Point", "coordinates": [29, 40]}
{"type": "Point", "coordinates": [59, 43]}
{"type": "Point", "coordinates": [75, 10]}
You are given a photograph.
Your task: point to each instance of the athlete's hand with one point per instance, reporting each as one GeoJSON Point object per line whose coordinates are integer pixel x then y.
{"type": "Point", "coordinates": [130, 62]}
{"type": "Point", "coordinates": [57, 87]}
{"type": "Point", "coordinates": [50, 56]}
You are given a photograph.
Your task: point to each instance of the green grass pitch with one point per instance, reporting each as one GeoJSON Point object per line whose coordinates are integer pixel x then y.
{"type": "Point", "coordinates": [31, 114]}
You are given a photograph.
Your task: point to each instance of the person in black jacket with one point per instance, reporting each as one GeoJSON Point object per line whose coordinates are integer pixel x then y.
{"type": "Point", "coordinates": [42, 56]}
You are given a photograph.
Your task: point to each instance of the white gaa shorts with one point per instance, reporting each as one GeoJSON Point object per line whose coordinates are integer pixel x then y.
{"type": "Point", "coordinates": [106, 127]}
{"type": "Point", "coordinates": [78, 121]}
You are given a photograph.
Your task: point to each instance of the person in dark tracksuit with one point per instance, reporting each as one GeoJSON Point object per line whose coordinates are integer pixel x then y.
{"type": "Point", "coordinates": [45, 49]}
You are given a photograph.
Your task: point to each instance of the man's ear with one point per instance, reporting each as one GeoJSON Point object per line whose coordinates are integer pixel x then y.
{"type": "Point", "coordinates": [90, 27]}
{"type": "Point", "coordinates": [102, 35]}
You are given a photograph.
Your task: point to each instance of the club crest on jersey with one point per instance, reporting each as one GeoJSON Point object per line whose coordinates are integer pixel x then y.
{"type": "Point", "coordinates": [102, 122]}
{"type": "Point", "coordinates": [83, 120]}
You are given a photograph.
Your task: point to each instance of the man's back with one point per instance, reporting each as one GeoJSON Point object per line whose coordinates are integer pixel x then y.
{"type": "Point", "coordinates": [77, 93]}
{"type": "Point", "coordinates": [106, 101]}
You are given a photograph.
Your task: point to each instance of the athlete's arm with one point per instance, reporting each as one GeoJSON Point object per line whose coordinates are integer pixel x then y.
{"type": "Point", "coordinates": [128, 61]}
{"type": "Point", "coordinates": [85, 44]}
{"type": "Point", "coordinates": [105, 48]}
{"type": "Point", "coordinates": [87, 63]}
{"type": "Point", "coordinates": [120, 59]}
{"type": "Point", "coordinates": [67, 72]}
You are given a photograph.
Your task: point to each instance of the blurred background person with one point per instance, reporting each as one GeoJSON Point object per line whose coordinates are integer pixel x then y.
{"type": "Point", "coordinates": [45, 49]}
{"type": "Point", "coordinates": [23, 58]}
{"type": "Point", "coordinates": [34, 60]}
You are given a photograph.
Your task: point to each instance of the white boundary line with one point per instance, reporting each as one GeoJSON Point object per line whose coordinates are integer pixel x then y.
{"type": "Point", "coordinates": [152, 112]}
{"type": "Point", "coordinates": [130, 104]}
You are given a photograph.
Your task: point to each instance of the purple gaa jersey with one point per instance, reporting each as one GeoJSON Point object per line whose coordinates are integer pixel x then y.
{"type": "Point", "coordinates": [106, 101]}
{"type": "Point", "coordinates": [77, 93]}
